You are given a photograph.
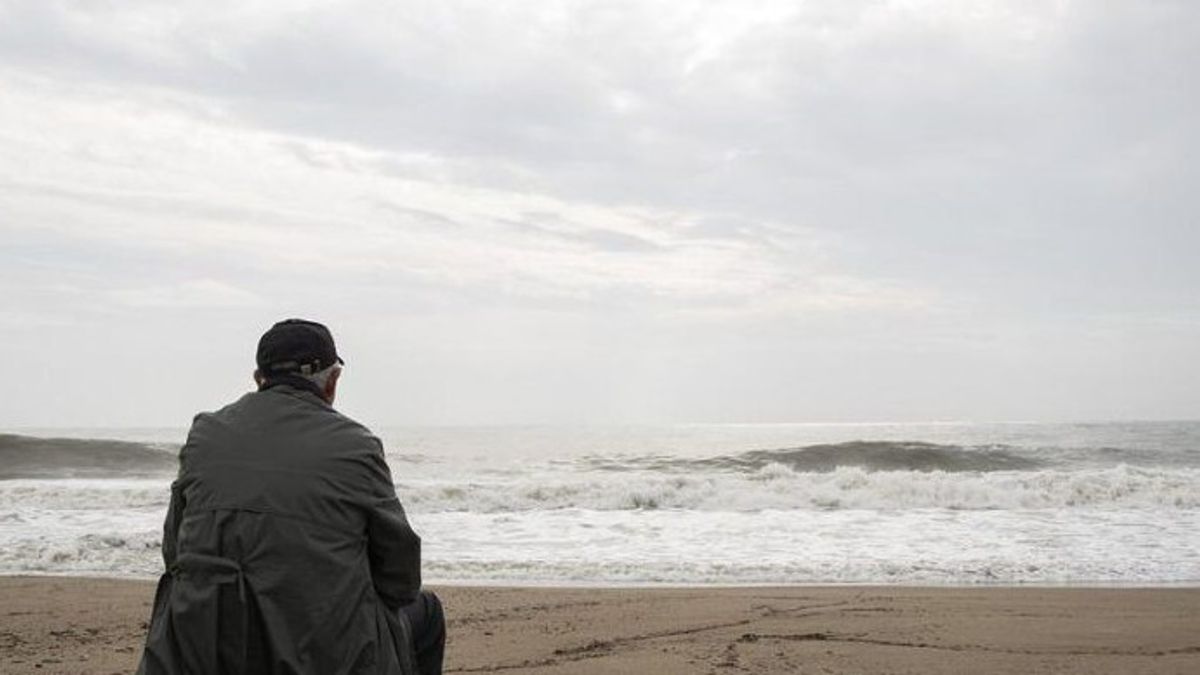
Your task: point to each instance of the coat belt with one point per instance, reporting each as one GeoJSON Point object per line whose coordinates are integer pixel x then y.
{"type": "Point", "coordinates": [199, 569]}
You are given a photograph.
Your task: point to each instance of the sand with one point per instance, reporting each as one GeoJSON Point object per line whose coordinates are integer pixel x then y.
{"type": "Point", "coordinates": [70, 625]}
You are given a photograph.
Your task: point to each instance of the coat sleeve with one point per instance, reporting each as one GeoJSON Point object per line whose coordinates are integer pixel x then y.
{"type": "Point", "coordinates": [393, 548]}
{"type": "Point", "coordinates": [170, 542]}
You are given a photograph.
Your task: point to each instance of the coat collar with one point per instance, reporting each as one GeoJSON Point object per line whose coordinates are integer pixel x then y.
{"type": "Point", "coordinates": [294, 385]}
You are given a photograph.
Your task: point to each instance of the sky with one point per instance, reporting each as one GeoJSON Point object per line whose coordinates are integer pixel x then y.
{"type": "Point", "coordinates": [586, 212]}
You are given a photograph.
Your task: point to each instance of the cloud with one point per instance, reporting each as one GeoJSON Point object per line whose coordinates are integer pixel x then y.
{"type": "Point", "coordinates": [786, 111]}
{"type": "Point", "coordinates": [130, 169]}
{"type": "Point", "coordinates": [206, 293]}
{"type": "Point", "coordinates": [688, 189]}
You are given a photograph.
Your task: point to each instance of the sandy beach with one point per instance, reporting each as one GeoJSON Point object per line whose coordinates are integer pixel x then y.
{"type": "Point", "coordinates": [73, 625]}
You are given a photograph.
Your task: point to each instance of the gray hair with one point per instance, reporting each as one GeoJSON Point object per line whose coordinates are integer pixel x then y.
{"type": "Point", "coordinates": [321, 377]}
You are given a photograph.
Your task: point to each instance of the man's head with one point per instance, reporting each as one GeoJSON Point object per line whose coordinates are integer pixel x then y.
{"type": "Point", "coordinates": [299, 348]}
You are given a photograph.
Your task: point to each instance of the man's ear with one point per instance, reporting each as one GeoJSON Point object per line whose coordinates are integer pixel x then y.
{"type": "Point", "coordinates": [258, 377]}
{"type": "Point", "coordinates": [331, 385]}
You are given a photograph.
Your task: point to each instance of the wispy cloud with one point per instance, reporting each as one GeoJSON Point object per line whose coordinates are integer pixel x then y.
{"type": "Point", "coordinates": [185, 184]}
{"type": "Point", "coordinates": [189, 294]}
{"type": "Point", "coordinates": [669, 190]}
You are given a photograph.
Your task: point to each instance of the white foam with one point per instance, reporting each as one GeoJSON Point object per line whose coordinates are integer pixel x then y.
{"type": "Point", "coordinates": [772, 546]}
{"type": "Point", "coordinates": [778, 487]}
{"type": "Point", "coordinates": [498, 520]}
{"type": "Point", "coordinates": [83, 494]}
{"type": "Point", "coordinates": [815, 547]}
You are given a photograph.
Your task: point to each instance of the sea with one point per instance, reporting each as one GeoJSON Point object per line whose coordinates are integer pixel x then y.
{"type": "Point", "coordinates": [958, 504]}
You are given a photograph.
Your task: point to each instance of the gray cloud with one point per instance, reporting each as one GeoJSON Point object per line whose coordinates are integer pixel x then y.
{"type": "Point", "coordinates": [962, 179]}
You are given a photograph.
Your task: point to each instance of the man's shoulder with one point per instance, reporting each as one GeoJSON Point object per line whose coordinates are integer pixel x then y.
{"type": "Point", "coordinates": [279, 408]}
{"type": "Point", "coordinates": [232, 409]}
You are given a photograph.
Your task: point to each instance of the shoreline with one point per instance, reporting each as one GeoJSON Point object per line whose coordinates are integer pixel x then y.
{"type": "Point", "coordinates": [674, 585]}
{"type": "Point", "coordinates": [59, 624]}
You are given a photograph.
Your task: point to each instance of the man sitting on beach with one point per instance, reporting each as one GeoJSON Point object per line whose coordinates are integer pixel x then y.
{"type": "Point", "coordinates": [286, 548]}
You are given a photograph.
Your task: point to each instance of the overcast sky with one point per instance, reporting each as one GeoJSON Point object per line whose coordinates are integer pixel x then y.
{"type": "Point", "coordinates": [604, 212]}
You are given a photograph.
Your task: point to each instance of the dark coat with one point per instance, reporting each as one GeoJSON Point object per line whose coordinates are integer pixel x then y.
{"type": "Point", "coordinates": [285, 546]}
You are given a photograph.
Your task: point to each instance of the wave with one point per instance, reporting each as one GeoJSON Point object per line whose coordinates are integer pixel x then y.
{"type": "Point", "coordinates": [107, 553]}
{"type": "Point", "coordinates": [870, 455]}
{"type": "Point", "coordinates": [779, 487]}
{"type": "Point", "coordinates": [29, 457]}
{"type": "Point", "coordinates": [83, 495]}
{"type": "Point", "coordinates": [775, 487]}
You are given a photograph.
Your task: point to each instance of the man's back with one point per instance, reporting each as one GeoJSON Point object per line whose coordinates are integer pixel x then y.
{"type": "Point", "coordinates": [286, 548]}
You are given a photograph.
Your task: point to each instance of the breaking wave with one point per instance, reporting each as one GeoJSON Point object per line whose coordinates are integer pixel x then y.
{"type": "Point", "coordinates": [870, 455]}
{"type": "Point", "coordinates": [1051, 504]}
{"type": "Point", "coordinates": [29, 457]}
{"type": "Point", "coordinates": [779, 487]}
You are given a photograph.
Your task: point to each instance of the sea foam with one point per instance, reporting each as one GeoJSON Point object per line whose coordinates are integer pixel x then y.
{"type": "Point", "coordinates": [1117, 503]}
{"type": "Point", "coordinates": [779, 487]}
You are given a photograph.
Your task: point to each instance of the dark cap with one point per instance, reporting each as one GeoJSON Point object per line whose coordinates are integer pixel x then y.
{"type": "Point", "coordinates": [296, 346]}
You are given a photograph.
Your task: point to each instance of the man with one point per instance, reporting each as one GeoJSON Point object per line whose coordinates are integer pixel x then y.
{"type": "Point", "coordinates": [285, 546]}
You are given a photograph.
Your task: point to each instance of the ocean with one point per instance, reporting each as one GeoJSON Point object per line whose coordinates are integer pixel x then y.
{"type": "Point", "coordinates": [944, 504]}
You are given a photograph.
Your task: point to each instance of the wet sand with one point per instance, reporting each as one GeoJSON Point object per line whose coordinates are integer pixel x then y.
{"type": "Point", "coordinates": [70, 625]}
